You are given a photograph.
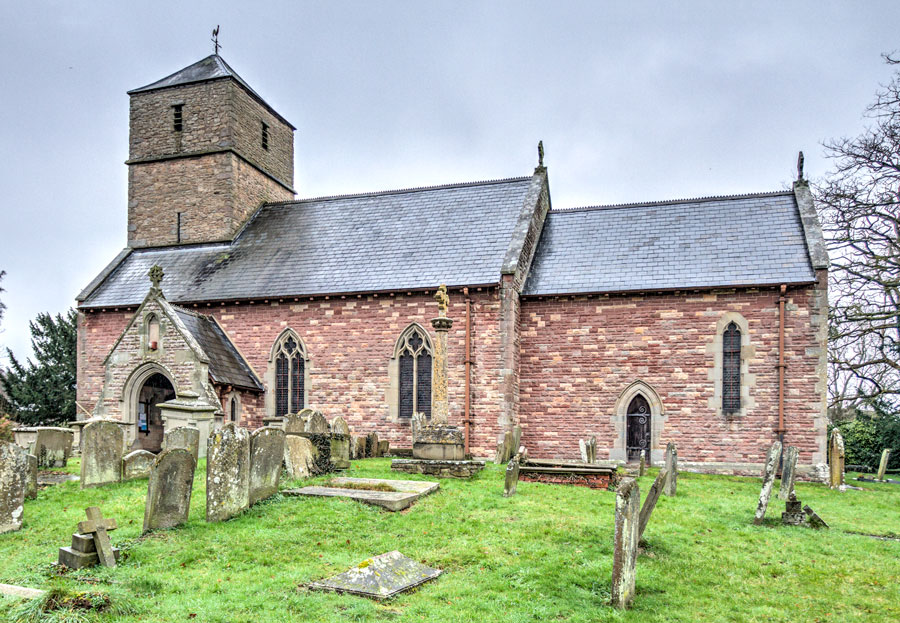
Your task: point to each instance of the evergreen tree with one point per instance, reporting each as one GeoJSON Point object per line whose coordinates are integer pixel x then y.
{"type": "Point", "coordinates": [43, 392]}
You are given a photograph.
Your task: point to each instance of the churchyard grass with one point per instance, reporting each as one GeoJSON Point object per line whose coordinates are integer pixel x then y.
{"type": "Point", "coordinates": [544, 554]}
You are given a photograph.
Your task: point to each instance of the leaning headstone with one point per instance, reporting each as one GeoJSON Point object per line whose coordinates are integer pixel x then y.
{"type": "Point", "coordinates": [516, 439]}
{"type": "Point", "coordinates": [593, 449]}
{"type": "Point", "coordinates": [768, 480]}
{"type": "Point", "coordinates": [583, 449]}
{"type": "Point", "coordinates": [137, 464]}
{"type": "Point", "coordinates": [266, 457]}
{"type": "Point", "coordinates": [512, 477]}
{"type": "Point", "coordinates": [316, 424]}
{"type": "Point", "coordinates": [625, 546]}
{"type": "Point", "coordinates": [814, 520]}
{"type": "Point", "coordinates": [227, 472]}
{"type": "Point", "coordinates": [169, 490]}
{"type": "Point", "coordinates": [299, 456]}
{"type": "Point", "coordinates": [509, 448]}
{"type": "Point", "coordinates": [294, 423]}
{"type": "Point", "coordinates": [102, 443]}
{"type": "Point", "coordinates": [31, 486]}
{"type": "Point", "coordinates": [53, 446]}
{"type": "Point", "coordinates": [836, 459]}
{"type": "Point", "coordinates": [502, 450]}
{"type": "Point", "coordinates": [372, 445]}
{"type": "Point", "coordinates": [650, 501]}
{"type": "Point", "coordinates": [13, 477]}
{"type": "Point", "coordinates": [882, 467]}
{"type": "Point", "coordinates": [788, 472]}
{"type": "Point", "coordinates": [672, 469]}
{"type": "Point", "coordinates": [187, 437]}
{"type": "Point", "coordinates": [339, 426]}
{"type": "Point", "coordinates": [793, 513]}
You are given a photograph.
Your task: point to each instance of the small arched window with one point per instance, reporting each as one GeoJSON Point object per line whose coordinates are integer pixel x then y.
{"type": "Point", "coordinates": [153, 332]}
{"type": "Point", "coordinates": [233, 409]}
{"type": "Point", "coordinates": [414, 358]}
{"type": "Point", "coordinates": [731, 369]}
{"type": "Point", "coordinates": [289, 376]}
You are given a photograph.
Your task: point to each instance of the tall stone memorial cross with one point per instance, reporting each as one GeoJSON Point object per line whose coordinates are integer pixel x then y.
{"type": "Point", "coordinates": [836, 459]}
{"type": "Point", "coordinates": [768, 480]}
{"type": "Point", "coordinates": [882, 467]}
{"type": "Point", "coordinates": [97, 525]}
{"type": "Point", "coordinates": [671, 468]}
{"type": "Point", "coordinates": [440, 405]}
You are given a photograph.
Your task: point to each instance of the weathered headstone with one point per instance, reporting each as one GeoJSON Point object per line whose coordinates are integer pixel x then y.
{"type": "Point", "coordinates": [516, 439]}
{"type": "Point", "coordinates": [357, 446]}
{"type": "Point", "coordinates": [671, 468]}
{"type": "Point", "coordinates": [523, 454]}
{"type": "Point", "coordinates": [13, 477]}
{"type": "Point", "coordinates": [53, 446]}
{"type": "Point", "coordinates": [836, 459]}
{"type": "Point", "coordinates": [372, 445]}
{"type": "Point", "coordinates": [882, 466]}
{"type": "Point", "coordinates": [788, 472]}
{"type": "Point", "coordinates": [625, 546]}
{"type": "Point", "coordinates": [643, 466]}
{"type": "Point", "coordinates": [299, 456]}
{"type": "Point", "coordinates": [512, 477]}
{"type": "Point", "coordinates": [266, 457]}
{"type": "Point", "coordinates": [340, 450]}
{"type": "Point", "coordinates": [768, 480]}
{"type": "Point", "coordinates": [187, 437]}
{"type": "Point", "coordinates": [380, 577]}
{"type": "Point", "coordinates": [227, 472]}
{"type": "Point", "coordinates": [650, 501]}
{"type": "Point", "coordinates": [793, 513]}
{"type": "Point", "coordinates": [583, 449]}
{"type": "Point", "coordinates": [102, 444]}
{"type": "Point", "coordinates": [295, 422]}
{"type": "Point", "coordinates": [99, 527]}
{"type": "Point", "coordinates": [814, 520]}
{"type": "Point", "coordinates": [384, 448]}
{"type": "Point", "coordinates": [31, 486]}
{"type": "Point", "coordinates": [316, 423]}
{"type": "Point", "coordinates": [416, 423]}
{"type": "Point", "coordinates": [339, 426]}
{"type": "Point", "coordinates": [137, 464]}
{"type": "Point", "coordinates": [169, 490]}
{"type": "Point", "coordinates": [502, 450]}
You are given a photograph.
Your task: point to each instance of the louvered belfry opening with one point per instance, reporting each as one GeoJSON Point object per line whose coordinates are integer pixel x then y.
{"type": "Point", "coordinates": [415, 374]}
{"type": "Point", "coordinates": [731, 369]}
{"type": "Point", "coordinates": [289, 376]}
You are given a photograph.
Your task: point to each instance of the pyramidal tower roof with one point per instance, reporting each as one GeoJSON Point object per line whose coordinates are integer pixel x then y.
{"type": "Point", "coordinates": [213, 67]}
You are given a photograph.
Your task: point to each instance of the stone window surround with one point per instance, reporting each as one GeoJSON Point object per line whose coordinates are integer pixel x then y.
{"type": "Point", "coordinates": [393, 393]}
{"type": "Point", "coordinates": [270, 380]}
{"type": "Point", "coordinates": [620, 424]}
{"type": "Point", "coordinates": [132, 390]}
{"type": "Point", "coordinates": [716, 372]}
{"type": "Point", "coordinates": [226, 407]}
{"type": "Point", "coordinates": [146, 351]}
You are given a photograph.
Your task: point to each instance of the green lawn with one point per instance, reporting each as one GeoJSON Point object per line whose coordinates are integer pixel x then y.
{"type": "Point", "coordinates": [543, 555]}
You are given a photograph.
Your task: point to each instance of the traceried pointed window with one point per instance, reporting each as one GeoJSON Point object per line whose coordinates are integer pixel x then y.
{"type": "Point", "coordinates": [731, 369]}
{"type": "Point", "coordinates": [414, 358]}
{"type": "Point", "coordinates": [289, 378]}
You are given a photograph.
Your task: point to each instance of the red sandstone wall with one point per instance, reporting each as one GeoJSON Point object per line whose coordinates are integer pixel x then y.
{"type": "Point", "coordinates": [580, 353]}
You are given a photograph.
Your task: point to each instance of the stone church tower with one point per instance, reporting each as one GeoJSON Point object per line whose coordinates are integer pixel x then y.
{"type": "Point", "coordinates": [205, 151]}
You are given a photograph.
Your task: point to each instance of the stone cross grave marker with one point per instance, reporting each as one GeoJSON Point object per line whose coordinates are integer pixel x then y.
{"type": "Point", "coordinates": [788, 473]}
{"type": "Point", "coordinates": [768, 480]}
{"type": "Point", "coordinates": [440, 404]}
{"type": "Point", "coordinates": [671, 469]}
{"type": "Point", "coordinates": [836, 459]}
{"type": "Point", "coordinates": [169, 490]}
{"type": "Point", "coordinates": [628, 503]}
{"type": "Point", "coordinates": [100, 527]}
{"type": "Point", "coordinates": [650, 501]}
{"type": "Point", "coordinates": [512, 477]}
{"type": "Point", "coordinates": [882, 467]}
{"type": "Point", "coordinates": [13, 483]}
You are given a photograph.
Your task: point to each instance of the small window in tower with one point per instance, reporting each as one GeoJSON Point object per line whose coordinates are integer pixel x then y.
{"type": "Point", "coordinates": [176, 117]}
{"type": "Point", "coordinates": [265, 136]}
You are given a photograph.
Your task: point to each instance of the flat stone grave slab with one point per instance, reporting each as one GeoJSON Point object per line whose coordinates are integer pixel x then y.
{"type": "Point", "coordinates": [55, 478]}
{"type": "Point", "coordinates": [11, 590]}
{"type": "Point", "coordinates": [404, 494]}
{"type": "Point", "coordinates": [380, 577]}
{"type": "Point", "coordinates": [422, 487]}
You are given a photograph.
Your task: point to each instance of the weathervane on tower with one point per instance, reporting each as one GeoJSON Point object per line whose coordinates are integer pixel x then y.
{"type": "Point", "coordinates": [215, 40]}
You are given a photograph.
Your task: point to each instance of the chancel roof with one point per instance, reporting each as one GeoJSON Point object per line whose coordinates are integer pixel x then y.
{"type": "Point", "coordinates": [747, 240]}
{"type": "Point", "coordinates": [389, 241]}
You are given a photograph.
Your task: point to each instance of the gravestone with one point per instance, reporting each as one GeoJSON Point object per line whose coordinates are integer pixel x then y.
{"type": "Point", "coordinates": [643, 466]}
{"type": "Point", "coordinates": [625, 546]}
{"type": "Point", "coordinates": [671, 468]}
{"type": "Point", "coordinates": [380, 577]}
{"type": "Point", "coordinates": [372, 445]}
{"type": "Point", "coordinates": [650, 501]}
{"type": "Point", "coordinates": [339, 426]}
{"type": "Point", "coordinates": [512, 477]}
{"type": "Point", "coordinates": [793, 513]}
{"type": "Point", "coordinates": [53, 446]}
{"type": "Point", "coordinates": [416, 423]}
{"type": "Point", "coordinates": [227, 472]}
{"type": "Point", "coordinates": [768, 480]}
{"type": "Point", "coordinates": [295, 422]}
{"type": "Point", "coordinates": [102, 443]}
{"type": "Point", "coordinates": [788, 472]}
{"type": "Point", "coordinates": [169, 490]}
{"type": "Point", "coordinates": [502, 450]}
{"type": "Point", "coordinates": [187, 437]}
{"type": "Point", "coordinates": [354, 446]}
{"type": "Point", "coordinates": [316, 424]}
{"type": "Point", "coordinates": [814, 520]}
{"type": "Point", "coordinates": [13, 483]}
{"type": "Point", "coordinates": [593, 449]}
{"type": "Point", "coordinates": [266, 457]}
{"type": "Point", "coordinates": [384, 448]}
{"type": "Point", "coordinates": [31, 485]}
{"type": "Point", "coordinates": [299, 456]}
{"type": "Point", "coordinates": [99, 527]}
{"type": "Point", "coordinates": [340, 450]}
{"type": "Point", "coordinates": [522, 454]}
{"type": "Point", "coordinates": [137, 464]}
{"type": "Point", "coordinates": [882, 467]}
{"type": "Point", "coordinates": [583, 449]}
{"type": "Point", "coordinates": [516, 439]}
{"type": "Point", "coordinates": [836, 459]}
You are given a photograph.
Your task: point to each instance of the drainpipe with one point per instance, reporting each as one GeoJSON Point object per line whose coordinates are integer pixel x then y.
{"type": "Point", "coordinates": [781, 365]}
{"type": "Point", "coordinates": [468, 367]}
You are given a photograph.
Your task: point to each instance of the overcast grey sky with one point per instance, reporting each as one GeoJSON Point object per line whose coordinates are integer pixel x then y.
{"type": "Point", "coordinates": [634, 101]}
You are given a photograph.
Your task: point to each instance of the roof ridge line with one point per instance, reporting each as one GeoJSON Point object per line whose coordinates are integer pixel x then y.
{"type": "Point", "coordinates": [401, 191]}
{"type": "Point", "coordinates": [667, 202]}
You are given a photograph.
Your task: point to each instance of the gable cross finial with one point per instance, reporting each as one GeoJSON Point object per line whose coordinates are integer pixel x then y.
{"type": "Point", "coordinates": [156, 275]}
{"type": "Point", "coordinates": [540, 153]}
{"type": "Point", "coordinates": [443, 300]}
{"type": "Point", "coordinates": [800, 167]}
{"type": "Point", "coordinates": [215, 40]}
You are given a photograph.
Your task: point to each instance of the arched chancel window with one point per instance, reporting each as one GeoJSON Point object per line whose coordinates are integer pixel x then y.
{"type": "Point", "coordinates": [731, 369]}
{"type": "Point", "coordinates": [289, 378]}
{"type": "Point", "coordinates": [414, 358]}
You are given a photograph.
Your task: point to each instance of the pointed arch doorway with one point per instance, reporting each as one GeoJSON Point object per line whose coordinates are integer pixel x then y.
{"type": "Point", "coordinates": [155, 390]}
{"type": "Point", "coordinates": [638, 433]}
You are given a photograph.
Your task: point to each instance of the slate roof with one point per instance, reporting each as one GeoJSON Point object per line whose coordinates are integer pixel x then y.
{"type": "Point", "coordinates": [695, 243]}
{"type": "Point", "coordinates": [226, 366]}
{"type": "Point", "coordinates": [389, 241]}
